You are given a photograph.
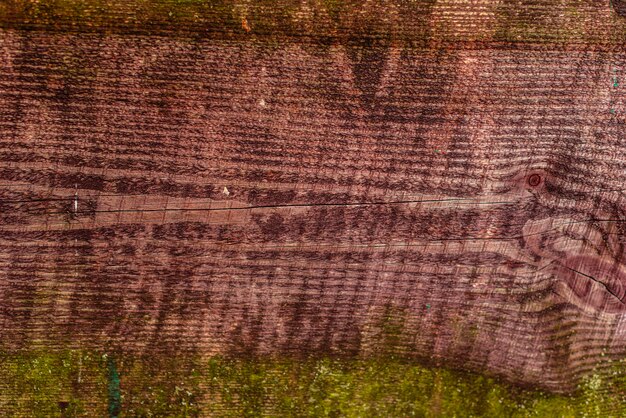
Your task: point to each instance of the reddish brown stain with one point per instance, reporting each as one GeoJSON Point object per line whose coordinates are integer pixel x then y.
{"type": "Point", "coordinates": [244, 24]}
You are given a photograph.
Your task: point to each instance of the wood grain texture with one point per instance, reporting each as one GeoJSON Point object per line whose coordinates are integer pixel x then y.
{"type": "Point", "coordinates": [166, 194]}
{"type": "Point", "coordinates": [433, 23]}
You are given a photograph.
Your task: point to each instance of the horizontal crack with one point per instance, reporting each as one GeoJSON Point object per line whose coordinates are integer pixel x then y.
{"type": "Point", "coordinates": [297, 205]}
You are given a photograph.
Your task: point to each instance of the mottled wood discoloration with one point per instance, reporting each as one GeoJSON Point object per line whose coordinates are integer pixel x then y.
{"type": "Point", "coordinates": [619, 6]}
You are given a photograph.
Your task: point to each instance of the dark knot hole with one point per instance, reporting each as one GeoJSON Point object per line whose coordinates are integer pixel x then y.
{"type": "Point", "coordinates": [534, 180]}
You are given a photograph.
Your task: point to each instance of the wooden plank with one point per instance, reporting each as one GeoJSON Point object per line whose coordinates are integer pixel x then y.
{"type": "Point", "coordinates": [226, 196]}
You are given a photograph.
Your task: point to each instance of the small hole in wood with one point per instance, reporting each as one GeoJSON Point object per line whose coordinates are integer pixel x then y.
{"type": "Point", "coordinates": [63, 405]}
{"type": "Point", "coordinates": [534, 180]}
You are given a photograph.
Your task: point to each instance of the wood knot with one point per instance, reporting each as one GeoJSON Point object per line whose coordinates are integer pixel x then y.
{"type": "Point", "coordinates": [534, 180]}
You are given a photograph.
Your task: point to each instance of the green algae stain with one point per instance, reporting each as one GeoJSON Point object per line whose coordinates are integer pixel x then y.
{"type": "Point", "coordinates": [51, 384]}
{"type": "Point", "coordinates": [115, 398]}
{"type": "Point", "coordinates": [334, 8]}
{"type": "Point", "coordinates": [58, 384]}
{"type": "Point", "coordinates": [376, 387]}
{"type": "Point", "coordinates": [327, 19]}
{"type": "Point", "coordinates": [162, 386]}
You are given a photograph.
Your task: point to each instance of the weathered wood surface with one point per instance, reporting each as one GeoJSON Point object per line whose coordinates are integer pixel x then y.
{"type": "Point", "coordinates": [230, 196]}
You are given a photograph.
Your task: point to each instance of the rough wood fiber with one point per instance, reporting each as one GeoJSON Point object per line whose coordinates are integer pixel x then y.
{"type": "Point", "coordinates": [268, 195]}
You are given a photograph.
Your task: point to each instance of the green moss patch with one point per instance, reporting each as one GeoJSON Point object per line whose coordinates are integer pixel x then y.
{"type": "Point", "coordinates": [332, 388]}
{"type": "Point", "coordinates": [49, 384]}
{"type": "Point", "coordinates": [81, 383]}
